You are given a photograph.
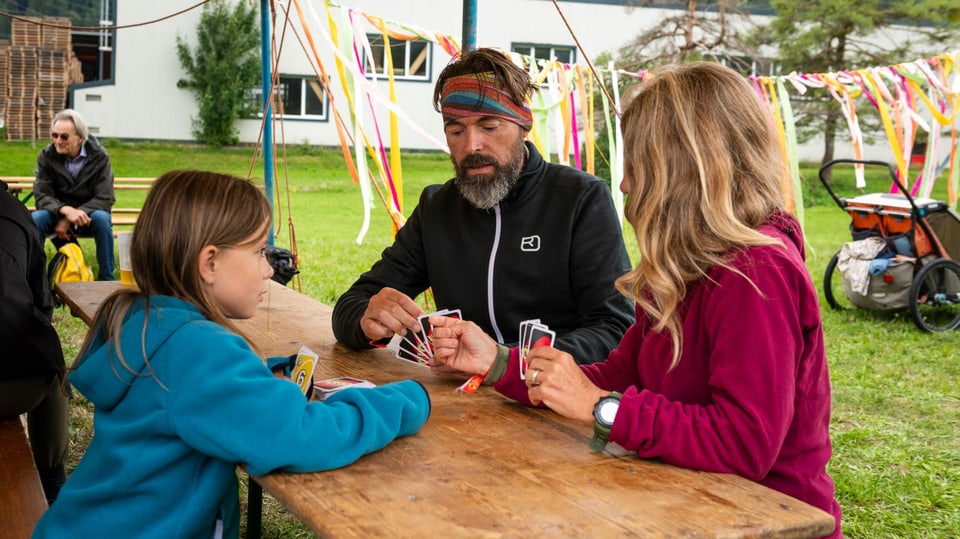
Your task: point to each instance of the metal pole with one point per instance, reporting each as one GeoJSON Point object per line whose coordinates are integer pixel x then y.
{"type": "Point", "coordinates": [265, 81]}
{"type": "Point", "coordinates": [469, 36]}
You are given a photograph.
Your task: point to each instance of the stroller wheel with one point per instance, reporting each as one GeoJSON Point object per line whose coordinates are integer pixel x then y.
{"type": "Point", "coordinates": [935, 296]}
{"type": "Point", "coordinates": [833, 290]}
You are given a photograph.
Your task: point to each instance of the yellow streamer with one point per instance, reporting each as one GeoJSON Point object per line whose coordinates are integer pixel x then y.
{"type": "Point", "coordinates": [771, 92]}
{"type": "Point", "coordinates": [395, 166]}
{"type": "Point", "coordinates": [892, 136]}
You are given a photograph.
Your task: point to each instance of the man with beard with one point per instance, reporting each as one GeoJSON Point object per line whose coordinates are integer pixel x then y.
{"type": "Point", "coordinates": [510, 238]}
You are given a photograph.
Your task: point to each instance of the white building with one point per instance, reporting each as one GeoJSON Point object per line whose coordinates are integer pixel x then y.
{"type": "Point", "coordinates": [142, 100]}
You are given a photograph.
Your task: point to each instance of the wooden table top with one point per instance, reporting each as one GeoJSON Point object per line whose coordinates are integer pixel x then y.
{"type": "Point", "coordinates": [484, 466]}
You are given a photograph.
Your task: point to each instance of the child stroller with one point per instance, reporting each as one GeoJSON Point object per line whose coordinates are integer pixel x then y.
{"type": "Point", "coordinates": [899, 257]}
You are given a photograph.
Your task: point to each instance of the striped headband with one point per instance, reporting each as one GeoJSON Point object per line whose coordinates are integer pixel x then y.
{"type": "Point", "coordinates": [479, 95]}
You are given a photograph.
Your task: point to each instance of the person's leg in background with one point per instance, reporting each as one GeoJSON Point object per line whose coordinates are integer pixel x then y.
{"type": "Point", "coordinates": [49, 428]}
{"type": "Point", "coordinates": [45, 221]}
{"type": "Point", "coordinates": [101, 227]}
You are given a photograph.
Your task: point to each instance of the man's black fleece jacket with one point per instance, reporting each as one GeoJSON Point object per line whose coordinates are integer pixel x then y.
{"type": "Point", "coordinates": [552, 249]}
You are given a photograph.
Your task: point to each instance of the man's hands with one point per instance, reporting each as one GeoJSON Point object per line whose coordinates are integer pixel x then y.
{"type": "Point", "coordinates": [389, 311]}
{"type": "Point", "coordinates": [75, 216]}
{"type": "Point", "coordinates": [71, 217]}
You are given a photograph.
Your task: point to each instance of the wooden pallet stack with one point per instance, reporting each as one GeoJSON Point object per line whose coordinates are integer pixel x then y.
{"type": "Point", "coordinates": [38, 66]}
{"type": "Point", "coordinates": [54, 53]}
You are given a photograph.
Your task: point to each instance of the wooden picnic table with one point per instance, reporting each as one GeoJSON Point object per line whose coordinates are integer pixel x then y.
{"type": "Point", "coordinates": [485, 466]}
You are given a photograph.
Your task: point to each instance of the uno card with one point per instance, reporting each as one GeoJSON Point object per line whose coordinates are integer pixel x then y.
{"type": "Point", "coordinates": [425, 344]}
{"type": "Point", "coordinates": [426, 328]}
{"type": "Point", "coordinates": [302, 372]}
{"type": "Point", "coordinates": [526, 331]}
{"type": "Point", "coordinates": [417, 346]}
{"type": "Point", "coordinates": [541, 336]}
{"type": "Point", "coordinates": [412, 348]}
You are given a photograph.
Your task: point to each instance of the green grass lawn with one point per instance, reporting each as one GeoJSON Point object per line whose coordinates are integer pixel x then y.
{"type": "Point", "coordinates": [896, 403]}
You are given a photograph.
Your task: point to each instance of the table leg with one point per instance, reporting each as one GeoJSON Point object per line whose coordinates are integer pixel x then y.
{"type": "Point", "coordinates": [254, 508]}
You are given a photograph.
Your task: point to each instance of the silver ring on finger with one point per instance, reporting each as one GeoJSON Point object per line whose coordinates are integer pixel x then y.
{"type": "Point", "coordinates": [533, 377]}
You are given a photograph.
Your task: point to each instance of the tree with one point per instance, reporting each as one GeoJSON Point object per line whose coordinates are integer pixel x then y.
{"type": "Point", "coordinates": [80, 12]}
{"type": "Point", "coordinates": [821, 36]}
{"type": "Point", "coordinates": [705, 28]}
{"type": "Point", "coordinates": [222, 70]}
{"type": "Point", "coordinates": [715, 29]}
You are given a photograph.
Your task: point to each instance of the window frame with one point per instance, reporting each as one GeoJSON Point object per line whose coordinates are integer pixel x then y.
{"type": "Point", "coordinates": [527, 50]}
{"type": "Point", "coordinates": [306, 81]}
{"type": "Point", "coordinates": [377, 43]}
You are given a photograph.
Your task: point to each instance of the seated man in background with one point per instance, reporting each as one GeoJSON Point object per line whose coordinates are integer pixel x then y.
{"type": "Point", "coordinates": [74, 188]}
{"type": "Point", "coordinates": [510, 238]}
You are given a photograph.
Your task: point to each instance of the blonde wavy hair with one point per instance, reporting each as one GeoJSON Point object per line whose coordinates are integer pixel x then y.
{"type": "Point", "coordinates": [185, 211]}
{"type": "Point", "coordinates": [704, 169]}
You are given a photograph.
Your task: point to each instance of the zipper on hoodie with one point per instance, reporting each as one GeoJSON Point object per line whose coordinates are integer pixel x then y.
{"type": "Point", "coordinates": [490, 266]}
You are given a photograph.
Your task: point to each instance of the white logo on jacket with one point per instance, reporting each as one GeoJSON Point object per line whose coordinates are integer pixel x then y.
{"type": "Point", "coordinates": [530, 243]}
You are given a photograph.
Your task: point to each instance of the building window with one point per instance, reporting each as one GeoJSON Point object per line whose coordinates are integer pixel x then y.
{"type": "Point", "coordinates": [296, 97]}
{"type": "Point", "coordinates": [745, 65]}
{"type": "Point", "coordinates": [411, 59]}
{"type": "Point", "coordinates": [562, 53]}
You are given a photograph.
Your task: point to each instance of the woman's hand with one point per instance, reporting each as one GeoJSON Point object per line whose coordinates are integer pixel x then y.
{"type": "Point", "coordinates": [555, 379]}
{"type": "Point", "coordinates": [461, 345]}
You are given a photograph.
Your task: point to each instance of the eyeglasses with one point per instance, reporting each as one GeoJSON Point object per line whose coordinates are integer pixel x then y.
{"type": "Point", "coordinates": [61, 136]}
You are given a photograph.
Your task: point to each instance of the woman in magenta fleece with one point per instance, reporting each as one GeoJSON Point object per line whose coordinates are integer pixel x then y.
{"type": "Point", "coordinates": [725, 368]}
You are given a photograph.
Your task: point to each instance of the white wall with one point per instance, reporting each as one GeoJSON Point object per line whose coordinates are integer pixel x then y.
{"type": "Point", "coordinates": [145, 103]}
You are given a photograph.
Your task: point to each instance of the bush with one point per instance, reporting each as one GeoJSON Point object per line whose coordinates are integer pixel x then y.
{"type": "Point", "coordinates": [222, 70]}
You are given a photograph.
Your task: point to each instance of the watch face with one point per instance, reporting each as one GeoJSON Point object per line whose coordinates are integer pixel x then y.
{"type": "Point", "coordinates": [608, 411]}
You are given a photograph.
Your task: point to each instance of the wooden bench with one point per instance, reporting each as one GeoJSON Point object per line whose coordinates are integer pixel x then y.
{"type": "Point", "coordinates": [21, 494]}
{"type": "Point", "coordinates": [22, 188]}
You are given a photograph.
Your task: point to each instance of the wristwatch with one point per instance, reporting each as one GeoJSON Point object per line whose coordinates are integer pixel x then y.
{"type": "Point", "coordinates": [604, 412]}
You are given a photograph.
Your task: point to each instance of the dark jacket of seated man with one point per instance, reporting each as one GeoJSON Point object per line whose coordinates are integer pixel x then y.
{"type": "Point", "coordinates": [92, 190]}
{"type": "Point", "coordinates": [552, 249]}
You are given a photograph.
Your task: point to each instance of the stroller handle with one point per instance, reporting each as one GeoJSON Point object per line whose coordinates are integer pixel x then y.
{"type": "Point", "coordinates": [829, 164]}
{"type": "Point", "coordinates": [915, 212]}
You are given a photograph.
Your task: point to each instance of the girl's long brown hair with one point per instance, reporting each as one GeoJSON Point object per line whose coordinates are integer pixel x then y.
{"type": "Point", "coordinates": [704, 170]}
{"type": "Point", "coordinates": [185, 211]}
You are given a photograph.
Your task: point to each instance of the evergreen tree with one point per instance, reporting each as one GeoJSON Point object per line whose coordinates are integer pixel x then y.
{"type": "Point", "coordinates": [222, 69]}
{"type": "Point", "coordinates": [80, 12]}
{"type": "Point", "coordinates": [820, 36]}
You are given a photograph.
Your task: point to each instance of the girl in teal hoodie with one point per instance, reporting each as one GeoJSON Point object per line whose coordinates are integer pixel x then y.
{"type": "Point", "coordinates": [179, 394]}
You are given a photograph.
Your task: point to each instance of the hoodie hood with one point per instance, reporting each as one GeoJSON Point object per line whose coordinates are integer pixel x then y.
{"type": "Point", "coordinates": [101, 375]}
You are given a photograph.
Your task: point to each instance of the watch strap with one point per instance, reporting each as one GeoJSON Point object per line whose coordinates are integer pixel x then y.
{"type": "Point", "coordinates": [601, 433]}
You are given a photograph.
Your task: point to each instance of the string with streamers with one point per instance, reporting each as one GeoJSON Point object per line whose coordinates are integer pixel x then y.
{"type": "Point", "coordinates": [913, 99]}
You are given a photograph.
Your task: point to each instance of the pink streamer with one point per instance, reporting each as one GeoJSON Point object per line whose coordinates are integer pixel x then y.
{"type": "Point", "coordinates": [376, 125]}
{"type": "Point", "coordinates": [573, 127]}
{"type": "Point", "coordinates": [756, 86]}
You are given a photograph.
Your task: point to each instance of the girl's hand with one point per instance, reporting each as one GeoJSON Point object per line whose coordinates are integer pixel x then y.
{"type": "Point", "coordinates": [461, 345]}
{"type": "Point", "coordinates": [555, 379]}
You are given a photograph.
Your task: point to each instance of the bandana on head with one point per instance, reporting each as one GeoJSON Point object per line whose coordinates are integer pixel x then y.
{"type": "Point", "coordinates": [480, 95]}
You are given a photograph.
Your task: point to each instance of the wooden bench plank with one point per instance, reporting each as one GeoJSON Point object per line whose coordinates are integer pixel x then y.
{"type": "Point", "coordinates": [21, 183]}
{"type": "Point", "coordinates": [22, 501]}
{"type": "Point", "coordinates": [119, 216]}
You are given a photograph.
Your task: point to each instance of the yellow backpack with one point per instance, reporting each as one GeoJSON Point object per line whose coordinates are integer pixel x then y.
{"type": "Point", "coordinates": [68, 265]}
